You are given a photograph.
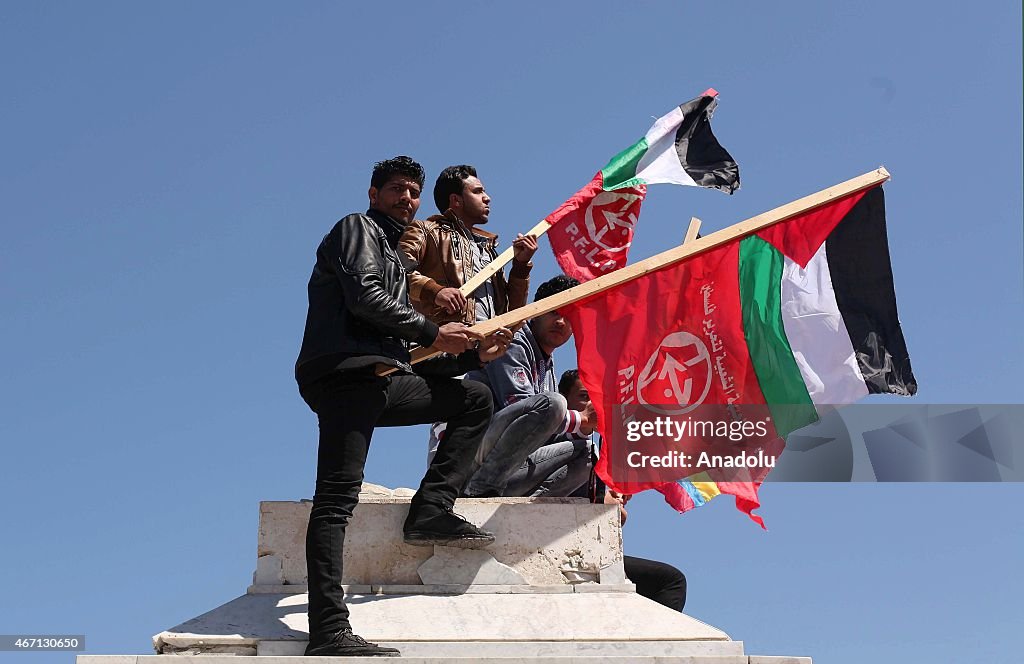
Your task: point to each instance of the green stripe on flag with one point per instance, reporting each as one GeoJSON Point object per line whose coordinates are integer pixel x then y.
{"type": "Point", "coordinates": [621, 170]}
{"type": "Point", "coordinates": [777, 372]}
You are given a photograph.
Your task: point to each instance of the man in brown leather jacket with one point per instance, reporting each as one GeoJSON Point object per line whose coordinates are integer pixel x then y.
{"type": "Point", "coordinates": [445, 251]}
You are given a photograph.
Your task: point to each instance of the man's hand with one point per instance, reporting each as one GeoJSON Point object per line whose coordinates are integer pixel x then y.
{"type": "Point", "coordinates": [454, 338]}
{"type": "Point", "coordinates": [524, 246]}
{"type": "Point", "coordinates": [451, 300]}
{"type": "Point", "coordinates": [616, 498]}
{"type": "Point", "coordinates": [494, 345]}
{"type": "Point", "coordinates": [588, 419]}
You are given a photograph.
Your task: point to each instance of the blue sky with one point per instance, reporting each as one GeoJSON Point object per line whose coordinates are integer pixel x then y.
{"type": "Point", "coordinates": [168, 170]}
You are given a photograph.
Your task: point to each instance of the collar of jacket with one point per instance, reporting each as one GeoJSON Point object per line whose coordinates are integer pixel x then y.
{"type": "Point", "coordinates": [450, 219]}
{"type": "Point", "coordinates": [392, 228]}
{"type": "Point", "coordinates": [528, 333]}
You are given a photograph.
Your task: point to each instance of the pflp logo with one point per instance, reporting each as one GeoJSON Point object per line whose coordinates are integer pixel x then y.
{"type": "Point", "coordinates": [610, 218]}
{"type": "Point", "coordinates": [677, 377]}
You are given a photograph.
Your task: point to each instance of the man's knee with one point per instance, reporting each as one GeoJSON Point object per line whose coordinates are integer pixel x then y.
{"type": "Point", "coordinates": [552, 407]}
{"type": "Point", "coordinates": [545, 413]}
{"type": "Point", "coordinates": [478, 395]}
{"type": "Point", "coordinates": [478, 399]}
{"type": "Point", "coordinates": [678, 587]}
{"type": "Point", "coordinates": [673, 592]}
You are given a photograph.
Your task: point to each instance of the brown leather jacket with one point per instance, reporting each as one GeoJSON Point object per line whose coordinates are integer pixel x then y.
{"type": "Point", "coordinates": [437, 254]}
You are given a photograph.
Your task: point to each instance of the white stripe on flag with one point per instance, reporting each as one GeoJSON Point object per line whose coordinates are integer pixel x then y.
{"type": "Point", "coordinates": [817, 333]}
{"type": "Point", "coordinates": [660, 164]}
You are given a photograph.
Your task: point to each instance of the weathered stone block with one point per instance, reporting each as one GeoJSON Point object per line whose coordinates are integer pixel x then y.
{"type": "Point", "coordinates": [466, 567]}
{"type": "Point", "coordinates": [545, 541]}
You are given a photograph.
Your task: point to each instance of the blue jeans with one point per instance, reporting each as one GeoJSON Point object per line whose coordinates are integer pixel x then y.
{"type": "Point", "coordinates": [515, 432]}
{"type": "Point", "coordinates": [555, 470]}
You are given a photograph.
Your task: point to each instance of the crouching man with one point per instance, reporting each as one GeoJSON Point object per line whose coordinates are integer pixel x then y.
{"type": "Point", "coordinates": [521, 453]}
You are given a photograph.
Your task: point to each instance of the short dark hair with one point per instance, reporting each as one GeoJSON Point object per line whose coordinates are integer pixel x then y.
{"type": "Point", "coordinates": [567, 380]}
{"type": "Point", "coordinates": [401, 165]}
{"type": "Point", "coordinates": [450, 182]}
{"type": "Point", "coordinates": [554, 285]}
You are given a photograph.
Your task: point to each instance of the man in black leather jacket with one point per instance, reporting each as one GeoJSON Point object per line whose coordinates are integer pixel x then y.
{"type": "Point", "coordinates": [360, 321]}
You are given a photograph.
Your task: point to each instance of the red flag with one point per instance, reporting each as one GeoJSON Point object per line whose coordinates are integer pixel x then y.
{"type": "Point", "coordinates": [666, 349]}
{"type": "Point", "coordinates": [722, 354]}
{"type": "Point", "coordinates": [591, 232]}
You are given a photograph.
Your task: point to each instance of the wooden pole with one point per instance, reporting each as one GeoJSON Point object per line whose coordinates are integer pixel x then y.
{"type": "Point", "coordinates": [692, 230]}
{"type": "Point", "coordinates": [670, 257]}
{"type": "Point", "coordinates": [499, 262]}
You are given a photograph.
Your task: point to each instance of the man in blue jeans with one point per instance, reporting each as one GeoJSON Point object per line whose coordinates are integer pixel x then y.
{"type": "Point", "coordinates": [534, 445]}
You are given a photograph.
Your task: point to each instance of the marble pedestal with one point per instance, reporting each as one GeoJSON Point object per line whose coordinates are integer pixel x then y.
{"type": "Point", "coordinates": [550, 588]}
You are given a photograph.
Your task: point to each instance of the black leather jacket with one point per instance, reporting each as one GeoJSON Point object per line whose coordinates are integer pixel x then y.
{"type": "Point", "coordinates": [359, 312]}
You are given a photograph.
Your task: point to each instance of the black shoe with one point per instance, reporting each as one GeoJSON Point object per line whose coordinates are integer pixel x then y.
{"type": "Point", "coordinates": [347, 644]}
{"type": "Point", "coordinates": [428, 525]}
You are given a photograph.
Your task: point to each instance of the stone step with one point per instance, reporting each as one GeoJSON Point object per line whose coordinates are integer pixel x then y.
{"type": "Point", "coordinates": [533, 649]}
{"type": "Point", "coordinates": [241, 625]}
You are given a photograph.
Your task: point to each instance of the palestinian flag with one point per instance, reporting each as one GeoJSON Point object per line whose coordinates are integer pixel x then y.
{"type": "Point", "coordinates": [758, 331]}
{"type": "Point", "coordinates": [679, 148]}
{"type": "Point", "coordinates": [592, 231]}
{"type": "Point", "coordinates": [820, 308]}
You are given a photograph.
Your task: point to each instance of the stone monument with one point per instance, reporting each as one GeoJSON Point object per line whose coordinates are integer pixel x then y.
{"type": "Point", "coordinates": [550, 589]}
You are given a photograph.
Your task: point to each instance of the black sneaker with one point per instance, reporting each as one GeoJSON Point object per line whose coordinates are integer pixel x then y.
{"type": "Point", "coordinates": [428, 525]}
{"type": "Point", "coordinates": [347, 644]}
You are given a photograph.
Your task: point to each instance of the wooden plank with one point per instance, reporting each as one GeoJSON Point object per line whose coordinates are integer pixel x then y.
{"type": "Point", "coordinates": [664, 259]}
{"type": "Point", "coordinates": [672, 256]}
{"type": "Point", "coordinates": [692, 230]}
{"type": "Point", "coordinates": [499, 261]}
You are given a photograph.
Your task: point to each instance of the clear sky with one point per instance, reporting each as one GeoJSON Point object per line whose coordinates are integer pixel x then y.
{"type": "Point", "coordinates": [169, 168]}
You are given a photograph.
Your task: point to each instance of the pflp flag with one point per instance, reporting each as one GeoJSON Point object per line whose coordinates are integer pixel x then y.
{"type": "Point", "coordinates": [592, 231]}
{"type": "Point", "coordinates": [750, 336]}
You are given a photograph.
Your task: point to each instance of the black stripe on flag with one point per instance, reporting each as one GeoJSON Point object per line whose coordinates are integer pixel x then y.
{"type": "Point", "coordinates": [858, 260]}
{"type": "Point", "coordinates": [702, 156]}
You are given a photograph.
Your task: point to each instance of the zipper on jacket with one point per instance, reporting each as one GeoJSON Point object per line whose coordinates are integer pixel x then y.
{"type": "Point", "coordinates": [456, 246]}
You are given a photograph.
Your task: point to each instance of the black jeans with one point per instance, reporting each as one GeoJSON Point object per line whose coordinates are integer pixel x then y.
{"type": "Point", "coordinates": [657, 581]}
{"type": "Point", "coordinates": [349, 405]}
